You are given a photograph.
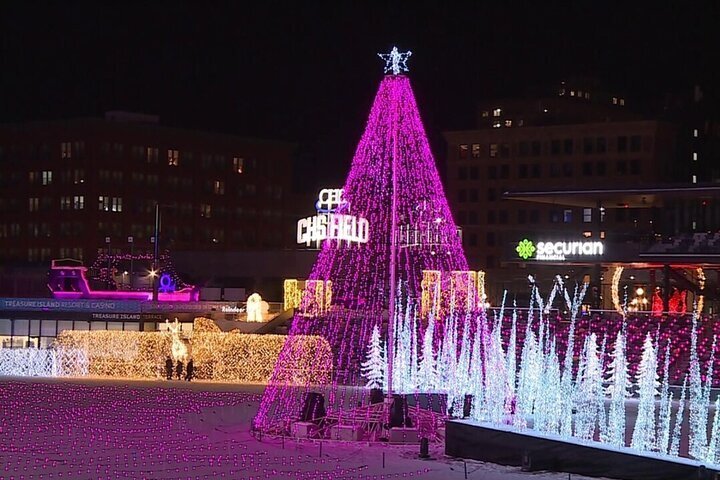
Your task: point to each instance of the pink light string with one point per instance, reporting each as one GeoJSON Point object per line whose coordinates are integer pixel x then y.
{"type": "Point", "coordinates": [360, 273]}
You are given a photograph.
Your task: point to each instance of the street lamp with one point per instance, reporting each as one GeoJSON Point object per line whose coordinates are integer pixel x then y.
{"type": "Point", "coordinates": [156, 241]}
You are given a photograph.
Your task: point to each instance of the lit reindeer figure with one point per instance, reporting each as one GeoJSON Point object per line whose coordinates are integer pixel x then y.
{"type": "Point", "coordinates": [179, 349]}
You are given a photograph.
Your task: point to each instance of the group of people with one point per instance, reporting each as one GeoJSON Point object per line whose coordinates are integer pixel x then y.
{"type": "Point", "coordinates": [189, 369]}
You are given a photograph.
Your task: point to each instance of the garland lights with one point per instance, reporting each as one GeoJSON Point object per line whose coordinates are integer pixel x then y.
{"type": "Point", "coordinates": [217, 355]}
{"type": "Point", "coordinates": [33, 362]}
{"type": "Point", "coordinates": [393, 150]}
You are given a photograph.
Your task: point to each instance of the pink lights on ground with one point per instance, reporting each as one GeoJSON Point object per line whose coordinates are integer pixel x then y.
{"type": "Point", "coordinates": [360, 274]}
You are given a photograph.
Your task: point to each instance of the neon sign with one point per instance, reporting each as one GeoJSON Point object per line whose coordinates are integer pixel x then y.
{"type": "Point", "coordinates": [558, 250]}
{"type": "Point", "coordinates": [329, 224]}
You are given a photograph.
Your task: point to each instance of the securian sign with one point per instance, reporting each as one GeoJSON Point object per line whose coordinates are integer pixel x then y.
{"type": "Point", "coordinates": [558, 250]}
{"type": "Point", "coordinates": [328, 224]}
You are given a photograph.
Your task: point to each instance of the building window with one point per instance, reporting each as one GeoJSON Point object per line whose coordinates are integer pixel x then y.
{"type": "Point", "coordinates": [152, 154]}
{"type": "Point", "coordinates": [66, 150]}
{"type": "Point", "coordinates": [588, 146]}
{"type": "Point", "coordinates": [694, 179]}
{"type": "Point", "coordinates": [535, 170]}
{"type": "Point", "coordinates": [554, 216]}
{"type": "Point", "coordinates": [555, 170]}
{"type": "Point", "coordinates": [472, 218]}
{"type": "Point", "coordinates": [106, 203]}
{"type": "Point", "coordinates": [238, 164]}
{"type": "Point", "coordinates": [522, 170]}
{"type": "Point", "coordinates": [79, 202]}
{"type": "Point", "coordinates": [567, 216]}
{"type": "Point", "coordinates": [600, 168]}
{"type": "Point", "coordinates": [462, 173]}
{"type": "Point", "coordinates": [568, 146]}
{"type": "Point", "coordinates": [205, 210]}
{"type": "Point", "coordinates": [474, 173]}
{"type": "Point", "coordinates": [497, 124]}
{"type": "Point", "coordinates": [475, 152]}
{"type": "Point", "coordinates": [33, 204]}
{"type": "Point", "coordinates": [505, 150]}
{"type": "Point", "coordinates": [503, 217]}
{"type": "Point", "coordinates": [504, 171]}
{"type": "Point", "coordinates": [46, 177]}
{"type": "Point", "coordinates": [587, 168]}
{"type": "Point", "coordinates": [621, 167]}
{"type": "Point", "coordinates": [508, 123]}
{"type": "Point", "coordinates": [555, 147]}
{"type": "Point", "coordinates": [219, 187]}
{"type": "Point", "coordinates": [173, 158]}
{"type": "Point", "coordinates": [587, 215]}
{"type": "Point", "coordinates": [497, 112]}
{"type": "Point", "coordinates": [695, 132]}
{"type": "Point", "coordinates": [694, 156]}
{"type": "Point", "coordinates": [523, 149]}
{"type": "Point", "coordinates": [116, 204]}
{"type": "Point", "coordinates": [622, 144]}
{"type": "Point", "coordinates": [601, 145]}
{"type": "Point", "coordinates": [567, 169]}
{"type": "Point", "coordinates": [536, 148]}
{"type": "Point", "coordinates": [490, 239]}
{"type": "Point", "coordinates": [463, 151]}
{"type": "Point", "coordinates": [635, 143]}
{"type": "Point", "coordinates": [491, 196]}
{"type": "Point", "coordinates": [65, 203]}
{"type": "Point", "coordinates": [491, 217]}
{"type": "Point", "coordinates": [493, 150]}
{"type": "Point", "coordinates": [485, 113]}
{"type": "Point", "coordinates": [473, 195]}
{"type": "Point", "coordinates": [492, 172]}
{"type": "Point", "coordinates": [462, 196]}
{"type": "Point", "coordinates": [634, 167]}
{"type": "Point", "coordinates": [587, 234]}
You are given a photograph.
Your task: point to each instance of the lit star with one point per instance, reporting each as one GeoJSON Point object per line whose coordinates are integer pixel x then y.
{"type": "Point", "coordinates": [395, 61]}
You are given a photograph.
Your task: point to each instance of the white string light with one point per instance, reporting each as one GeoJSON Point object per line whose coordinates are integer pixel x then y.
{"type": "Point", "coordinates": [395, 61]}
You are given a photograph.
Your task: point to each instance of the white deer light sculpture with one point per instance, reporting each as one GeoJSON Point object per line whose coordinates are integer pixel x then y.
{"type": "Point", "coordinates": [178, 349]}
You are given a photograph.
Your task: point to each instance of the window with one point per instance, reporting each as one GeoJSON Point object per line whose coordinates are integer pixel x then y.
{"type": "Point", "coordinates": [536, 148]}
{"type": "Point", "coordinates": [205, 210]}
{"type": "Point", "coordinates": [33, 204]}
{"type": "Point", "coordinates": [523, 149]}
{"type": "Point", "coordinates": [621, 167]}
{"type": "Point", "coordinates": [635, 143]}
{"type": "Point", "coordinates": [694, 156]}
{"type": "Point", "coordinates": [46, 177]}
{"type": "Point", "coordinates": [503, 217]}
{"type": "Point", "coordinates": [462, 196]}
{"type": "Point", "coordinates": [587, 215]}
{"type": "Point", "coordinates": [475, 152]}
{"type": "Point", "coordinates": [534, 216]}
{"type": "Point", "coordinates": [116, 204]}
{"type": "Point", "coordinates": [473, 195]}
{"type": "Point", "coordinates": [522, 216]}
{"type": "Point", "coordinates": [105, 203]}
{"type": "Point", "coordinates": [567, 216]}
{"type": "Point", "coordinates": [152, 154]}
{"type": "Point", "coordinates": [695, 132]}
{"type": "Point", "coordinates": [463, 151]}
{"type": "Point", "coordinates": [535, 170]}
{"type": "Point", "coordinates": [567, 169]}
{"type": "Point", "coordinates": [555, 170]}
{"type": "Point", "coordinates": [472, 218]}
{"type": "Point", "coordinates": [66, 150]}
{"type": "Point", "coordinates": [508, 123]}
{"type": "Point", "coordinates": [588, 145]}
{"type": "Point", "coordinates": [555, 147]}
{"type": "Point", "coordinates": [600, 168]}
{"type": "Point", "coordinates": [504, 171]}
{"type": "Point", "coordinates": [568, 146]}
{"type": "Point", "coordinates": [118, 149]}
{"type": "Point", "coordinates": [601, 145]}
{"type": "Point", "coordinates": [485, 113]}
{"type": "Point", "coordinates": [493, 150]}
{"type": "Point", "coordinates": [497, 112]}
{"type": "Point", "coordinates": [491, 217]}
{"type": "Point", "coordinates": [492, 172]}
{"type": "Point", "coordinates": [505, 150]}
{"type": "Point", "coordinates": [522, 170]}
{"type": "Point", "coordinates": [491, 196]}
{"type": "Point", "coordinates": [622, 144]}
{"type": "Point", "coordinates": [490, 239]}
{"type": "Point", "coordinates": [238, 164]}
{"type": "Point", "coordinates": [173, 158]}
{"type": "Point", "coordinates": [587, 168]}
{"type": "Point", "coordinates": [219, 187]}
{"type": "Point", "coordinates": [634, 167]}
{"type": "Point", "coordinates": [66, 203]}
{"type": "Point", "coordinates": [474, 173]}
{"type": "Point", "coordinates": [694, 179]}
{"type": "Point", "coordinates": [462, 173]}
{"type": "Point", "coordinates": [78, 202]}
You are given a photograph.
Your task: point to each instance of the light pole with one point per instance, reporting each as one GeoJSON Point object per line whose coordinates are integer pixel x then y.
{"type": "Point", "coordinates": [156, 241]}
{"type": "Point", "coordinates": [132, 270]}
{"type": "Point", "coordinates": [109, 272]}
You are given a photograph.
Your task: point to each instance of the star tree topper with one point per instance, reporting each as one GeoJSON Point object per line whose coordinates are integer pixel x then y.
{"type": "Point", "coordinates": [395, 61]}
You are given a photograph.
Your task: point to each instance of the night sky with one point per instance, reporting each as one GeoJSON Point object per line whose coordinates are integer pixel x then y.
{"type": "Point", "coordinates": [308, 72]}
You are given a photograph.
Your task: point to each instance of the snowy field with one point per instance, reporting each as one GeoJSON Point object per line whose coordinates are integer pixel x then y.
{"type": "Point", "coordinates": [85, 429]}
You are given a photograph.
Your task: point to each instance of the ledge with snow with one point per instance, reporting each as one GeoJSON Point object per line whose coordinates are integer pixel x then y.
{"type": "Point", "coordinates": [534, 450]}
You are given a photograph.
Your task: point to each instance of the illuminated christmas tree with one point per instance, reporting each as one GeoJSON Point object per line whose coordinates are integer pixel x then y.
{"type": "Point", "coordinates": [643, 437]}
{"type": "Point", "coordinates": [394, 184]}
{"type": "Point", "coordinates": [618, 389]}
{"type": "Point", "coordinates": [374, 367]}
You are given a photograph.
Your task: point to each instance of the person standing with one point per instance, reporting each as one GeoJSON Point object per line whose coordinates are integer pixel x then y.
{"type": "Point", "coordinates": [179, 369]}
{"type": "Point", "coordinates": [189, 370]}
{"type": "Point", "coordinates": [168, 368]}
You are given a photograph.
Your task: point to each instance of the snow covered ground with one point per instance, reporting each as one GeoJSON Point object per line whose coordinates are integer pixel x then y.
{"type": "Point", "coordinates": [99, 429]}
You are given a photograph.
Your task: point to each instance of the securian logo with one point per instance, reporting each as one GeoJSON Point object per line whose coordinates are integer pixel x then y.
{"type": "Point", "coordinates": [525, 249]}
